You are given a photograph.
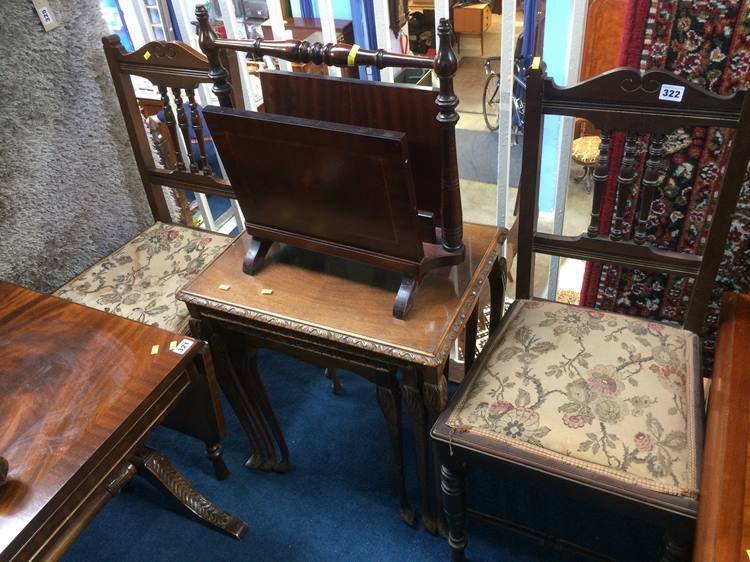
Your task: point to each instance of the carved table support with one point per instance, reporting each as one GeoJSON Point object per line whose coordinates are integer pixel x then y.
{"type": "Point", "coordinates": [166, 474]}
{"type": "Point", "coordinates": [199, 412]}
{"type": "Point", "coordinates": [435, 395]}
{"type": "Point", "coordinates": [246, 410]}
{"type": "Point", "coordinates": [389, 399]}
{"type": "Point", "coordinates": [259, 392]}
{"type": "Point", "coordinates": [415, 405]}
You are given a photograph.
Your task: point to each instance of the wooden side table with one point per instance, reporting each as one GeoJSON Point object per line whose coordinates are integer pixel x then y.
{"type": "Point", "coordinates": [337, 313]}
{"type": "Point", "coordinates": [474, 19]}
{"type": "Point", "coordinates": [80, 391]}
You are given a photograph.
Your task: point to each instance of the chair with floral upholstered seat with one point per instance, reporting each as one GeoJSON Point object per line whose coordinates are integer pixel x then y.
{"type": "Point", "coordinates": [592, 404]}
{"type": "Point", "coordinates": [140, 279]}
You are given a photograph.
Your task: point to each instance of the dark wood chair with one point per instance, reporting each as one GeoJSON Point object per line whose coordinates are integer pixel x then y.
{"type": "Point", "coordinates": [139, 280]}
{"type": "Point", "coordinates": [600, 406]}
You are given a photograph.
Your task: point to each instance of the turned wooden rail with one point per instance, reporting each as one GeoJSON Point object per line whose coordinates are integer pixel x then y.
{"type": "Point", "coordinates": [444, 64]}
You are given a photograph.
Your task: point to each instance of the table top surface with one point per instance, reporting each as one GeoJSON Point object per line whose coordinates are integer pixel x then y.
{"type": "Point", "coordinates": [70, 378]}
{"type": "Point", "coordinates": [723, 527]}
{"type": "Point", "coordinates": [346, 301]}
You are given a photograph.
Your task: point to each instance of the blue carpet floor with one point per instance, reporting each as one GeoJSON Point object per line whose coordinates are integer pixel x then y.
{"type": "Point", "coordinates": [339, 499]}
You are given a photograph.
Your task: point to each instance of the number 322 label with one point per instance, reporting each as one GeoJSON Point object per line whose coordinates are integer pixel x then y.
{"type": "Point", "coordinates": [671, 92]}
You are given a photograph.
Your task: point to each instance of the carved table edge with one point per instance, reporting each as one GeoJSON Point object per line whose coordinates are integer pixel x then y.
{"type": "Point", "coordinates": [430, 360]}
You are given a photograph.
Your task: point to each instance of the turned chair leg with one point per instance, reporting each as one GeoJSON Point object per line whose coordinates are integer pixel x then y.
{"type": "Point", "coordinates": [454, 506]}
{"type": "Point", "coordinates": [677, 546]}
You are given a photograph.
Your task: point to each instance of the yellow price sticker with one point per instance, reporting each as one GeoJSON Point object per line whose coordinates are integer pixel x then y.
{"type": "Point", "coordinates": [352, 55]}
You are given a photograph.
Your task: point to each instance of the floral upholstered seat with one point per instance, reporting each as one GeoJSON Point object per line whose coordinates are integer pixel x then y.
{"type": "Point", "coordinates": [608, 393]}
{"type": "Point", "coordinates": [140, 279]}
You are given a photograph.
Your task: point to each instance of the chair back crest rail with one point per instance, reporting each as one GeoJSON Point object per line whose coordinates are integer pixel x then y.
{"type": "Point", "coordinates": [176, 70]}
{"type": "Point", "coordinates": [632, 102]}
{"type": "Point", "coordinates": [444, 64]}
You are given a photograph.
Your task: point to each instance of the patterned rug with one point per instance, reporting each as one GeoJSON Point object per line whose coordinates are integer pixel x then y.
{"type": "Point", "coordinates": [707, 42]}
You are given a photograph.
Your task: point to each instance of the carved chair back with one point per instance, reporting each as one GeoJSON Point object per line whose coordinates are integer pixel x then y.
{"type": "Point", "coordinates": [176, 70]}
{"type": "Point", "coordinates": [444, 64]}
{"type": "Point", "coordinates": [645, 107]}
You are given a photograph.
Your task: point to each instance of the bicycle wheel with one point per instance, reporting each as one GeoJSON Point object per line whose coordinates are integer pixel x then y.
{"type": "Point", "coordinates": [490, 100]}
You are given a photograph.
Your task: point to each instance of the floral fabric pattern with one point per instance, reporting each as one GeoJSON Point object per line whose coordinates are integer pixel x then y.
{"type": "Point", "coordinates": [602, 391]}
{"type": "Point", "coordinates": [139, 280]}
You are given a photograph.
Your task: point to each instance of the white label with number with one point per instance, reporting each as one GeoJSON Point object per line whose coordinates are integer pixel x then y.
{"type": "Point", "coordinates": [670, 92]}
{"type": "Point", "coordinates": [183, 346]}
{"type": "Point", "coordinates": [46, 15]}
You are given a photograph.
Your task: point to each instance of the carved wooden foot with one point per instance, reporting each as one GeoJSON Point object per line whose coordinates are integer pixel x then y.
{"type": "Point", "coordinates": [405, 296]}
{"type": "Point", "coordinates": [165, 473]}
{"type": "Point", "coordinates": [244, 360]}
{"type": "Point", "coordinates": [415, 405]}
{"type": "Point", "coordinates": [256, 255]}
{"type": "Point", "coordinates": [215, 453]}
{"type": "Point", "coordinates": [389, 398]}
{"type": "Point", "coordinates": [454, 505]}
{"type": "Point", "coordinates": [333, 375]}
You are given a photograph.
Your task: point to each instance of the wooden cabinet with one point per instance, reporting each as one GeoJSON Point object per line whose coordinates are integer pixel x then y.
{"type": "Point", "coordinates": [474, 19]}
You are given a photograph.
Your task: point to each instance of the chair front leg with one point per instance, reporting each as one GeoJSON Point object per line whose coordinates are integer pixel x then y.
{"type": "Point", "coordinates": [452, 478]}
{"type": "Point", "coordinates": [677, 544]}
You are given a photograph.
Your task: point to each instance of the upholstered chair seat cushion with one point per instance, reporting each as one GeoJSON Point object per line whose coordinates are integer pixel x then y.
{"type": "Point", "coordinates": [140, 279]}
{"type": "Point", "coordinates": [608, 393]}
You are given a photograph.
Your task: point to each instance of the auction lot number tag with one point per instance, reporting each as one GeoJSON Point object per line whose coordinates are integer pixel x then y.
{"type": "Point", "coordinates": [671, 92]}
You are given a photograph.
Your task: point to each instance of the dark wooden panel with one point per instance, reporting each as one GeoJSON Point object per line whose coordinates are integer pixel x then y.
{"type": "Point", "coordinates": [320, 185]}
{"type": "Point", "coordinates": [395, 107]}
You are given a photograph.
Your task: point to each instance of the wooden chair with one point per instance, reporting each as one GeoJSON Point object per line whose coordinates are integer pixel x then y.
{"type": "Point", "coordinates": [596, 404]}
{"type": "Point", "coordinates": [139, 280]}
